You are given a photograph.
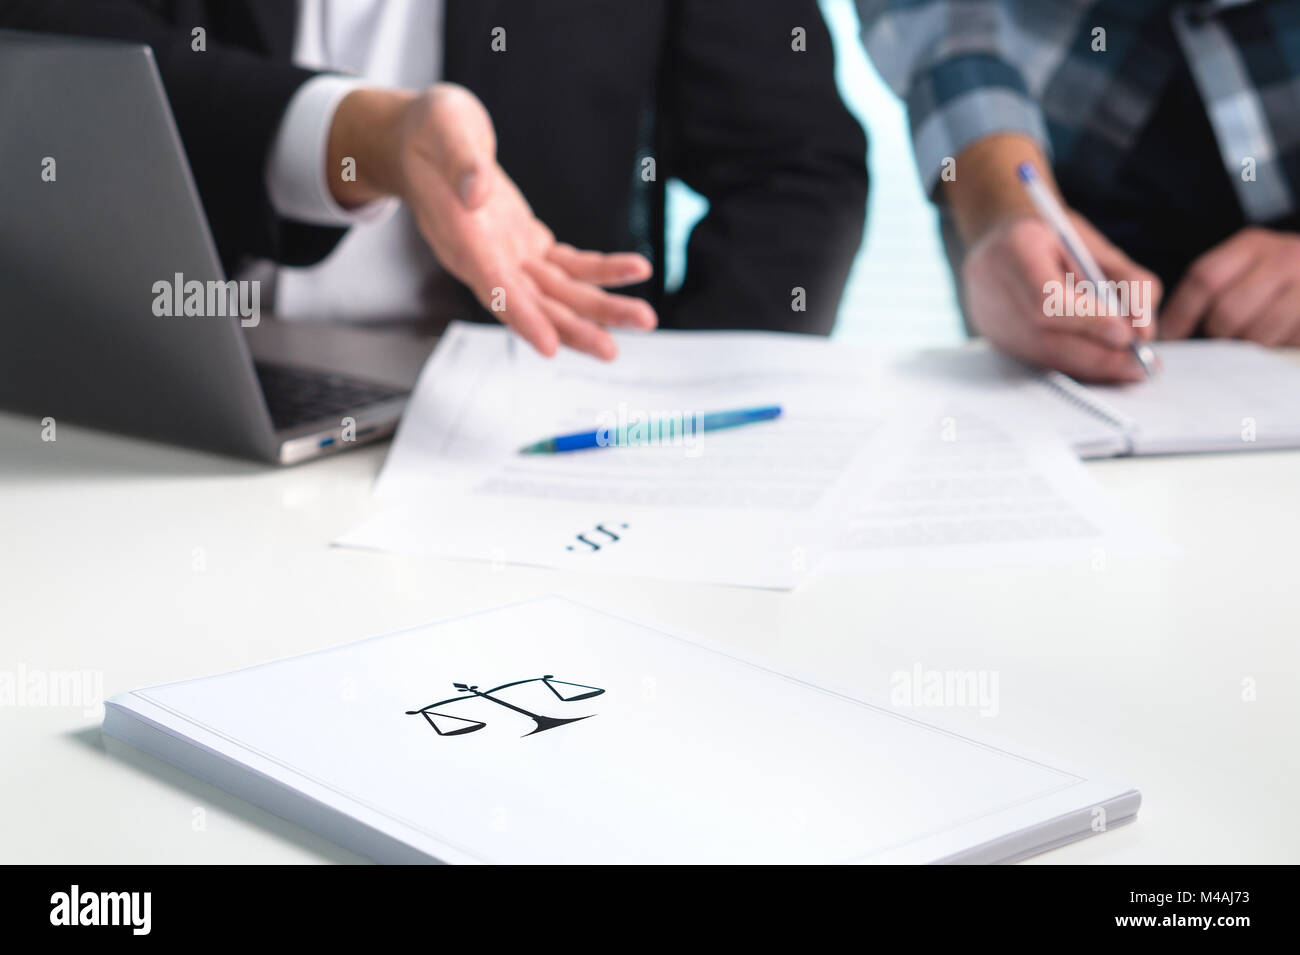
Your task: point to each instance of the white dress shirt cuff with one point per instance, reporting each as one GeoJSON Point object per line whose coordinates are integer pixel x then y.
{"type": "Point", "coordinates": [295, 171]}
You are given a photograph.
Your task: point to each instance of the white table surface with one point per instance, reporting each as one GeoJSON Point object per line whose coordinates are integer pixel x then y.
{"type": "Point", "coordinates": [1135, 670]}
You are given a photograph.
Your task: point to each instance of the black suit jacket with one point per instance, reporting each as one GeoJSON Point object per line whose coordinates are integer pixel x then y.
{"type": "Point", "coordinates": [584, 91]}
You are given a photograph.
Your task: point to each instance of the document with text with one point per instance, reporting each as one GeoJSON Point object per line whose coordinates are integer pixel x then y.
{"type": "Point", "coordinates": [748, 506]}
{"type": "Point", "coordinates": [865, 468]}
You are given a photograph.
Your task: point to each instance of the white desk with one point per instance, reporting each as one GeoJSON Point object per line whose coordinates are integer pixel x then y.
{"type": "Point", "coordinates": [152, 564]}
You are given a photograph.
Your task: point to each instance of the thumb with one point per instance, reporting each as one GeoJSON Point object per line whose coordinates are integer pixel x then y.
{"type": "Point", "coordinates": [466, 143]}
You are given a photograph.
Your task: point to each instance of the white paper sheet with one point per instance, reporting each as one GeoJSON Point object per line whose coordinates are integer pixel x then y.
{"type": "Point", "coordinates": [677, 753]}
{"type": "Point", "coordinates": [1008, 391]}
{"type": "Point", "coordinates": [968, 489]}
{"type": "Point", "coordinates": [747, 506]}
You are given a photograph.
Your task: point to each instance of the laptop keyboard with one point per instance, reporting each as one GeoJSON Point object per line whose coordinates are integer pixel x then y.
{"type": "Point", "coordinates": [296, 396]}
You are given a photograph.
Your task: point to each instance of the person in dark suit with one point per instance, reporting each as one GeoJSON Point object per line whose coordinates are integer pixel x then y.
{"type": "Point", "coordinates": [594, 105]}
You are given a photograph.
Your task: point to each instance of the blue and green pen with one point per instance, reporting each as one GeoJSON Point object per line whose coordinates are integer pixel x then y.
{"type": "Point", "coordinates": [663, 428]}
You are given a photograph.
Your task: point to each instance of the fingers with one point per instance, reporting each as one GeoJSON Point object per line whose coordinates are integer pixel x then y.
{"type": "Point", "coordinates": [1086, 360]}
{"type": "Point", "coordinates": [1111, 329]}
{"type": "Point", "coordinates": [1278, 322]}
{"type": "Point", "coordinates": [1088, 315]}
{"type": "Point", "coordinates": [1067, 348]}
{"type": "Point", "coordinates": [516, 303]}
{"type": "Point", "coordinates": [1205, 279]}
{"type": "Point", "coordinates": [590, 302]}
{"type": "Point", "coordinates": [542, 320]}
{"type": "Point", "coordinates": [1138, 290]}
{"type": "Point", "coordinates": [572, 331]}
{"type": "Point", "coordinates": [580, 334]}
{"type": "Point", "coordinates": [1017, 298]}
{"type": "Point", "coordinates": [610, 271]}
{"type": "Point", "coordinates": [547, 307]}
{"type": "Point", "coordinates": [1041, 285]}
{"type": "Point", "coordinates": [1140, 293]}
{"type": "Point", "coordinates": [1241, 302]}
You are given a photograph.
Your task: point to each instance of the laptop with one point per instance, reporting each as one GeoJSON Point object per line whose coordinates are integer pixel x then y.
{"type": "Point", "coordinates": [114, 307]}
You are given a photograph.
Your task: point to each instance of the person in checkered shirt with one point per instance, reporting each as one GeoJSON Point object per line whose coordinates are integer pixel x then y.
{"type": "Point", "coordinates": [1171, 130]}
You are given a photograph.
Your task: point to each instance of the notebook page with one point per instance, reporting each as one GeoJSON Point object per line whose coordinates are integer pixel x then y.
{"type": "Point", "coordinates": [1212, 396]}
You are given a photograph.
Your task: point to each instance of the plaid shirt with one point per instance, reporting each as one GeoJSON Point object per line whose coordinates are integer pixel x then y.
{"type": "Point", "coordinates": [1083, 76]}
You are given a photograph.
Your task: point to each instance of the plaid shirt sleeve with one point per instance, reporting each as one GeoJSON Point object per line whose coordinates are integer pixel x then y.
{"type": "Point", "coordinates": [954, 63]}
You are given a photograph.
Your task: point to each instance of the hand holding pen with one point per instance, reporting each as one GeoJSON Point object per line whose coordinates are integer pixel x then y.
{"type": "Point", "coordinates": [1106, 294]}
{"type": "Point", "coordinates": [1020, 284]}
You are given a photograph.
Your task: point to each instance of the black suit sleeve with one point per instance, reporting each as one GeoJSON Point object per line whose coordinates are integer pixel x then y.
{"type": "Point", "coordinates": [228, 102]}
{"type": "Point", "coordinates": [759, 130]}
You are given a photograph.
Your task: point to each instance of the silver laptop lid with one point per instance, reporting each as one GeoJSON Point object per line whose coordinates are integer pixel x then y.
{"type": "Point", "coordinates": [98, 207]}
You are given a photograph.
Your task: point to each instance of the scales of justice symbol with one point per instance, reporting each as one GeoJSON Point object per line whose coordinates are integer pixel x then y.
{"type": "Point", "coordinates": [454, 725]}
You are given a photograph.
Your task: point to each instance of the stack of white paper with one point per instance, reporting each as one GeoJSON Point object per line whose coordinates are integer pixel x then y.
{"type": "Point", "coordinates": [548, 732]}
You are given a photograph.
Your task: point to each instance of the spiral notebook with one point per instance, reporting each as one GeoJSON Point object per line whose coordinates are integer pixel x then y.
{"type": "Point", "coordinates": [1208, 396]}
{"type": "Point", "coordinates": [551, 732]}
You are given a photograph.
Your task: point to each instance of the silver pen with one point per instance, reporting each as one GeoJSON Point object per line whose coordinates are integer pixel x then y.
{"type": "Point", "coordinates": [1051, 209]}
